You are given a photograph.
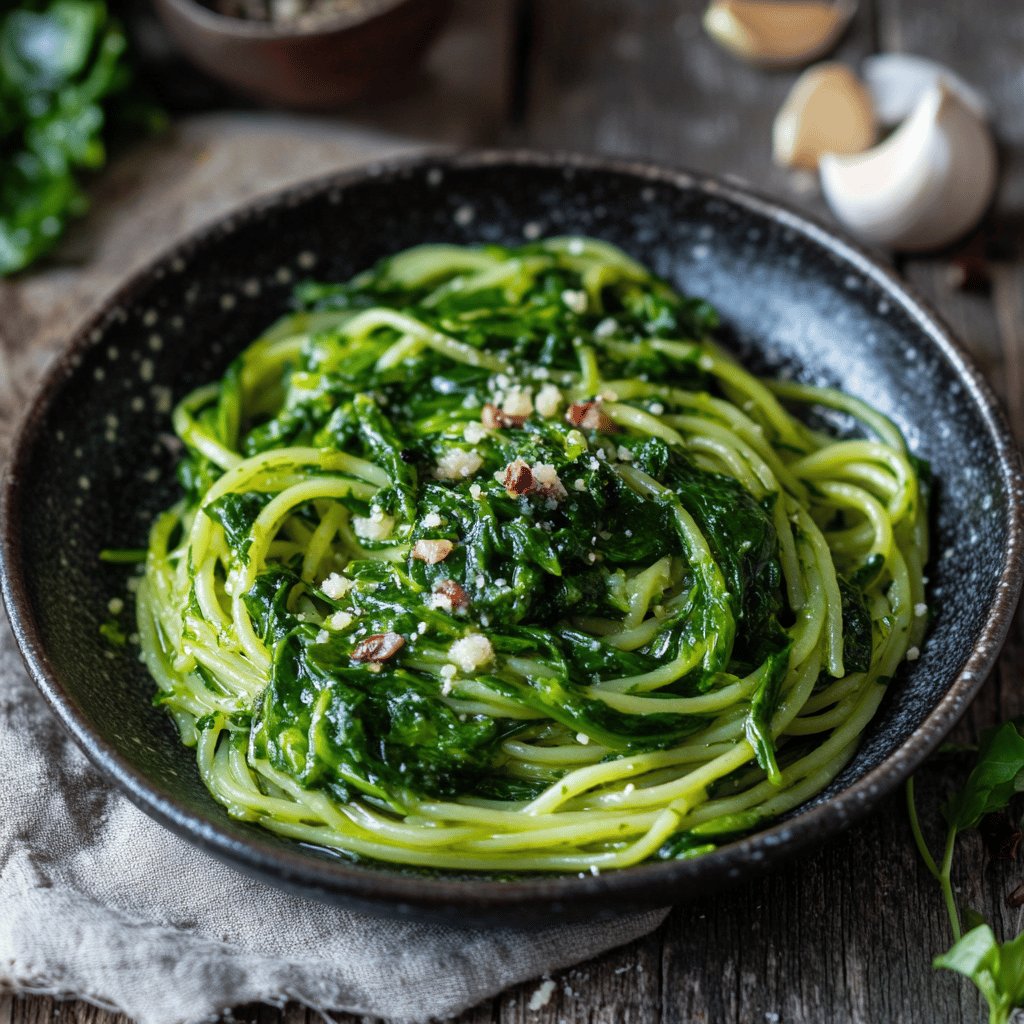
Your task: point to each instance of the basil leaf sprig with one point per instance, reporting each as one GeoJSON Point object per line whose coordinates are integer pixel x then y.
{"type": "Point", "coordinates": [63, 80]}
{"type": "Point", "coordinates": [997, 969]}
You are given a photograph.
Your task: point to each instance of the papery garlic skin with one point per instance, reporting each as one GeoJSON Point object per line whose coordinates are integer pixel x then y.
{"type": "Point", "coordinates": [828, 110]}
{"type": "Point", "coordinates": [778, 33]}
{"type": "Point", "coordinates": [897, 81]}
{"type": "Point", "coordinates": [924, 186]}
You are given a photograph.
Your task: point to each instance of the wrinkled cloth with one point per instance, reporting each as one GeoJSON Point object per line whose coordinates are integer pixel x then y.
{"type": "Point", "coordinates": [99, 902]}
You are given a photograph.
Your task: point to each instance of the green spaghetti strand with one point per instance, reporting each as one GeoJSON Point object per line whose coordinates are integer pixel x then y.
{"type": "Point", "coordinates": [492, 560]}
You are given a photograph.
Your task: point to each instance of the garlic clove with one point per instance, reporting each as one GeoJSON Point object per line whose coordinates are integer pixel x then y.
{"type": "Point", "coordinates": [924, 186]}
{"type": "Point", "coordinates": [828, 110]}
{"type": "Point", "coordinates": [897, 81]}
{"type": "Point", "coordinates": [777, 33]}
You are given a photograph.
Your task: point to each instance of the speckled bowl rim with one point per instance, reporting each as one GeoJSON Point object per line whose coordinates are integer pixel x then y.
{"type": "Point", "coordinates": [646, 884]}
{"type": "Point", "coordinates": [244, 28]}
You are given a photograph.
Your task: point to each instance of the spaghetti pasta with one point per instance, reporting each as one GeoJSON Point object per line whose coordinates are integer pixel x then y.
{"type": "Point", "coordinates": [492, 560]}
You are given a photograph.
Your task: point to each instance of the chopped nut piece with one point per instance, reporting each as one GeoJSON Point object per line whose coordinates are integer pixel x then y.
{"type": "Point", "coordinates": [518, 478]}
{"type": "Point", "coordinates": [494, 418]}
{"type": "Point", "coordinates": [452, 594]}
{"type": "Point", "coordinates": [379, 647]}
{"type": "Point", "coordinates": [547, 480]}
{"type": "Point", "coordinates": [432, 551]}
{"type": "Point", "coordinates": [590, 416]}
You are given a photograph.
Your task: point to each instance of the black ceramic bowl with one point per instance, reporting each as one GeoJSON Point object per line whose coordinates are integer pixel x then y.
{"type": "Point", "coordinates": [90, 470]}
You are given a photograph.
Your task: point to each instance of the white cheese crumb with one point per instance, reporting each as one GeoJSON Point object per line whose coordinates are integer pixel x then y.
{"type": "Point", "coordinates": [458, 465]}
{"type": "Point", "coordinates": [591, 557]}
{"type": "Point", "coordinates": [595, 870]}
{"type": "Point", "coordinates": [582, 737]}
{"type": "Point", "coordinates": [628, 788]}
{"type": "Point", "coordinates": [518, 402]}
{"type": "Point", "coordinates": [471, 652]}
{"type": "Point", "coordinates": [421, 628]}
{"type": "Point", "coordinates": [920, 609]}
{"type": "Point", "coordinates": [448, 675]}
{"type": "Point", "coordinates": [547, 478]}
{"type": "Point", "coordinates": [913, 653]}
{"type": "Point", "coordinates": [606, 328]}
{"type": "Point", "coordinates": [338, 621]}
{"type": "Point", "coordinates": [441, 602]}
{"type": "Point", "coordinates": [336, 586]}
{"type": "Point", "coordinates": [475, 491]}
{"type": "Point", "coordinates": [549, 398]}
{"type": "Point", "coordinates": [624, 454]}
{"type": "Point", "coordinates": [115, 606]}
{"type": "Point", "coordinates": [576, 301]}
{"type": "Point", "coordinates": [480, 581]}
{"type": "Point", "coordinates": [594, 464]}
{"type": "Point", "coordinates": [431, 520]}
{"type": "Point", "coordinates": [474, 432]}
{"type": "Point", "coordinates": [580, 484]}
{"type": "Point", "coordinates": [656, 409]}
{"type": "Point", "coordinates": [542, 996]}
{"type": "Point", "coordinates": [323, 636]}
{"type": "Point", "coordinates": [706, 362]}
{"type": "Point", "coordinates": [376, 526]}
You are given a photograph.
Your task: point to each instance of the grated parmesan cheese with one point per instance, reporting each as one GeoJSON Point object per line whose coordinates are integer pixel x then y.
{"type": "Point", "coordinates": [518, 402]}
{"type": "Point", "coordinates": [376, 526]}
{"type": "Point", "coordinates": [549, 398]}
{"type": "Point", "coordinates": [336, 586]}
{"type": "Point", "coordinates": [458, 464]}
{"type": "Point", "coordinates": [338, 621]}
{"type": "Point", "coordinates": [576, 301]}
{"type": "Point", "coordinates": [471, 652]}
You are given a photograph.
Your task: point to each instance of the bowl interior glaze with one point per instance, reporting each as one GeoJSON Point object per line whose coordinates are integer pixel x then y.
{"type": "Point", "coordinates": [93, 464]}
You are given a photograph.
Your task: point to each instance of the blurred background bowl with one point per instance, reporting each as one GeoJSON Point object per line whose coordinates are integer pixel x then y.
{"type": "Point", "coordinates": [313, 65]}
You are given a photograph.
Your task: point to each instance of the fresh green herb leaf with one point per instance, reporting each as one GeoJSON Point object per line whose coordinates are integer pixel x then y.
{"type": "Point", "coordinates": [996, 777]}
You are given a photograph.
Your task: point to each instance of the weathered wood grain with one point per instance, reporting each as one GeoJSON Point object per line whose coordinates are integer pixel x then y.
{"type": "Point", "coordinates": [845, 934]}
{"type": "Point", "coordinates": [642, 78]}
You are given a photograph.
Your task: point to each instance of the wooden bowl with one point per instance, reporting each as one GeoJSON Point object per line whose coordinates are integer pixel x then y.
{"type": "Point", "coordinates": [314, 66]}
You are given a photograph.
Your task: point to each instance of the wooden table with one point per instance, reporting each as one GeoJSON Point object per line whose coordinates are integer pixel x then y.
{"type": "Point", "coordinates": [847, 933]}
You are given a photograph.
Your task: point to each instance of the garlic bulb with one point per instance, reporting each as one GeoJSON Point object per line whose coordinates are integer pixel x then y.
{"type": "Point", "coordinates": [778, 33]}
{"type": "Point", "coordinates": [828, 110]}
{"type": "Point", "coordinates": [925, 185]}
{"type": "Point", "coordinates": [897, 81]}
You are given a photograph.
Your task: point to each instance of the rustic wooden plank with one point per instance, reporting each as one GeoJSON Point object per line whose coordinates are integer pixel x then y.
{"type": "Point", "coordinates": [986, 50]}
{"type": "Point", "coordinates": [641, 78]}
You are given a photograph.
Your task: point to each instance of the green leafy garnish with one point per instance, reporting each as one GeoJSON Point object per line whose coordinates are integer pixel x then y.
{"type": "Point", "coordinates": [997, 969]}
{"type": "Point", "coordinates": [62, 66]}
